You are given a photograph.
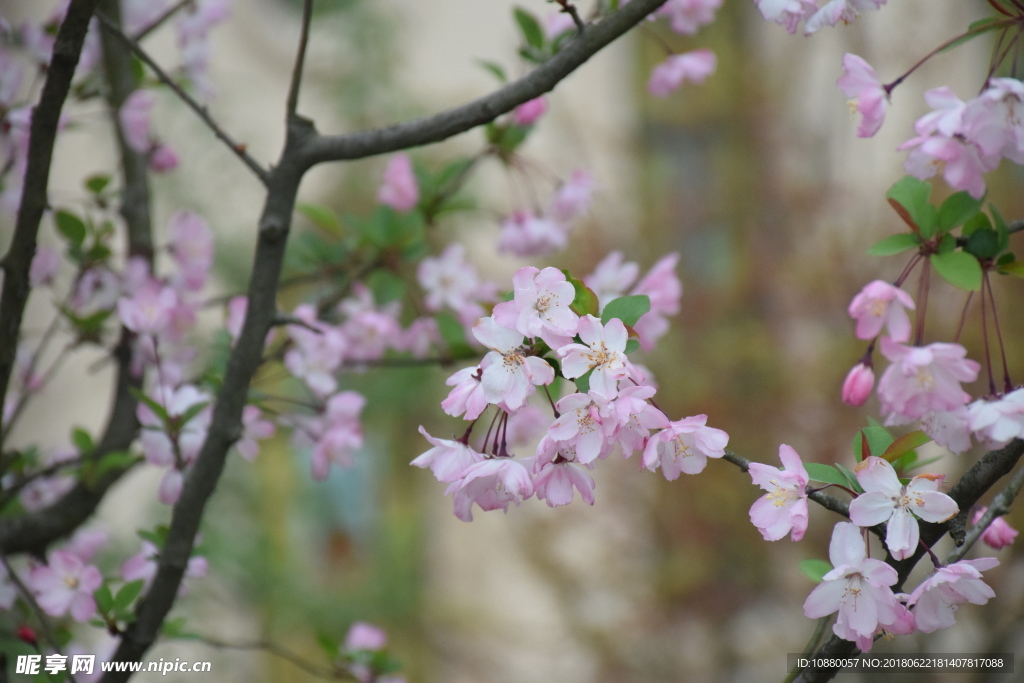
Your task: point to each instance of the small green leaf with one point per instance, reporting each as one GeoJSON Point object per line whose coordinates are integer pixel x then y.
{"type": "Point", "coordinates": [97, 183]}
{"type": "Point", "coordinates": [959, 269]}
{"type": "Point", "coordinates": [826, 474]}
{"type": "Point", "coordinates": [904, 445]}
{"type": "Point", "coordinates": [386, 286]}
{"type": "Point", "coordinates": [82, 441]}
{"type": "Point", "coordinates": [114, 460]}
{"type": "Point", "coordinates": [585, 302]}
{"type": "Point", "coordinates": [878, 439]}
{"type": "Point", "coordinates": [191, 412]}
{"type": "Point", "coordinates": [977, 28]}
{"type": "Point", "coordinates": [894, 244]}
{"type": "Point", "coordinates": [530, 27]}
{"type": "Point", "coordinates": [1015, 268]}
{"type": "Point", "coordinates": [978, 221]}
{"type": "Point", "coordinates": [851, 478]}
{"type": "Point", "coordinates": [1001, 228]}
{"type": "Point", "coordinates": [158, 536]}
{"type": "Point", "coordinates": [322, 217]}
{"type": "Point", "coordinates": [126, 596]}
{"type": "Point", "coordinates": [71, 226]}
{"type": "Point", "coordinates": [453, 334]}
{"type": "Point", "coordinates": [815, 569]}
{"type": "Point", "coordinates": [628, 309]}
{"type": "Point", "coordinates": [912, 194]}
{"type": "Point", "coordinates": [104, 598]}
{"type": "Point", "coordinates": [583, 383]}
{"type": "Point", "coordinates": [495, 69]}
{"type": "Point", "coordinates": [632, 345]}
{"type": "Point", "coordinates": [328, 644]}
{"type": "Point", "coordinates": [957, 209]}
{"type": "Point", "coordinates": [984, 243]}
{"type": "Point", "coordinates": [157, 409]}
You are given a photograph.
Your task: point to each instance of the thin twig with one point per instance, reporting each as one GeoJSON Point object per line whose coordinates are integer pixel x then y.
{"type": "Point", "coordinates": [162, 19]}
{"type": "Point", "coordinates": [200, 110]}
{"type": "Point", "coordinates": [283, 653]}
{"type": "Point", "coordinates": [300, 60]}
{"type": "Point", "coordinates": [999, 506]}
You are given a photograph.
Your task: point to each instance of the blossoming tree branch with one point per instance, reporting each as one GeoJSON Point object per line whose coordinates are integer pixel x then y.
{"type": "Point", "coordinates": [549, 385]}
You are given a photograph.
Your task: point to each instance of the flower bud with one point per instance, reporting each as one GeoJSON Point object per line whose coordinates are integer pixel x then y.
{"type": "Point", "coordinates": [858, 385]}
{"type": "Point", "coordinates": [527, 113]}
{"type": "Point", "coordinates": [27, 635]}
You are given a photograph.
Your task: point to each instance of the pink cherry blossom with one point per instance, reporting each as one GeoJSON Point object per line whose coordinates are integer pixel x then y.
{"type": "Point", "coordinates": [684, 447]}
{"type": "Point", "coordinates": [783, 510]}
{"type": "Point", "coordinates": [629, 418]}
{"type": "Point", "coordinates": [86, 543]}
{"type": "Point", "coordinates": [878, 305]}
{"type": "Point", "coordinates": [924, 379]}
{"type": "Point", "coordinates": [948, 428]}
{"type": "Point", "coordinates": [961, 160]}
{"type": "Point", "coordinates": [448, 459]}
{"type": "Point", "coordinates": [581, 427]}
{"type": "Point", "coordinates": [834, 11]}
{"type": "Point", "coordinates": [788, 13]}
{"type": "Point", "coordinates": [364, 636]}
{"type": "Point", "coordinates": [1000, 420]}
{"type": "Point", "coordinates": [162, 159]}
{"type": "Point", "coordinates": [611, 277]}
{"type": "Point", "coordinates": [858, 385]}
{"type": "Point", "coordinates": [603, 351]}
{"type": "Point", "coordinates": [694, 66]}
{"type": "Point", "coordinates": [687, 16]}
{"type": "Point", "coordinates": [449, 281]}
{"type": "Point", "coordinates": [573, 197]}
{"type": "Point", "coordinates": [318, 352]}
{"type": "Point", "coordinates": [254, 428]}
{"type": "Point", "coordinates": [340, 433]}
{"type": "Point", "coordinates": [144, 565]}
{"type": "Point", "coordinates": [468, 396]}
{"type": "Point", "coordinates": [662, 286]}
{"type": "Point", "coordinates": [540, 307]}
{"type": "Point", "coordinates": [399, 189]}
{"type": "Point", "coordinates": [994, 119]}
{"type": "Point", "coordinates": [191, 245]}
{"type": "Point", "coordinates": [44, 268]}
{"type": "Point", "coordinates": [65, 586]}
{"type": "Point", "coordinates": [527, 425]}
{"type": "Point", "coordinates": [148, 311]}
{"type": "Point", "coordinates": [525, 234]}
{"type": "Point", "coordinates": [999, 533]}
{"type": "Point", "coordinates": [868, 98]}
{"type": "Point", "coordinates": [936, 599]}
{"type": "Point", "coordinates": [491, 484]}
{"type": "Point", "coordinates": [134, 115]}
{"type": "Point", "coordinates": [554, 483]}
{"type": "Point", "coordinates": [194, 26]}
{"type": "Point", "coordinates": [98, 290]}
{"type": "Point", "coordinates": [858, 587]}
{"type": "Point", "coordinates": [885, 499]}
{"type": "Point", "coordinates": [527, 113]}
{"type": "Point", "coordinates": [508, 372]}
{"type": "Point", "coordinates": [557, 23]}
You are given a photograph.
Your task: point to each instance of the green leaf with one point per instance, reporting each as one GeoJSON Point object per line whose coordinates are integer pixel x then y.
{"type": "Point", "coordinates": [104, 598]}
{"type": "Point", "coordinates": [628, 309]}
{"type": "Point", "coordinates": [983, 244]}
{"type": "Point", "coordinates": [1015, 268]}
{"type": "Point", "coordinates": [386, 228]}
{"type": "Point", "coordinates": [158, 536]}
{"type": "Point", "coordinates": [585, 302]}
{"type": "Point", "coordinates": [894, 244]}
{"type": "Point", "coordinates": [82, 441]}
{"type": "Point", "coordinates": [977, 28]}
{"type": "Point", "coordinates": [815, 569]}
{"type": "Point", "coordinates": [126, 596]}
{"type": "Point", "coordinates": [583, 383]}
{"type": "Point", "coordinates": [851, 478]}
{"type": "Point", "coordinates": [904, 445]}
{"type": "Point", "coordinates": [328, 644]}
{"type": "Point", "coordinates": [878, 439]}
{"type": "Point", "coordinates": [976, 222]}
{"type": "Point", "coordinates": [453, 334]}
{"type": "Point", "coordinates": [114, 460]}
{"type": "Point", "coordinates": [912, 194]}
{"type": "Point", "coordinates": [322, 217]}
{"type": "Point", "coordinates": [825, 473]}
{"type": "Point", "coordinates": [191, 412]}
{"type": "Point", "coordinates": [495, 69]}
{"type": "Point", "coordinates": [530, 27]}
{"type": "Point", "coordinates": [71, 227]}
{"type": "Point", "coordinates": [157, 409]}
{"type": "Point", "coordinates": [175, 628]}
{"type": "Point", "coordinates": [959, 269]}
{"type": "Point", "coordinates": [386, 286]}
{"type": "Point", "coordinates": [957, 209]}
{"type": "Point", "coordinates": [1001, 228]}
{"type": "Point", "coordinates": [97, 183]}
{"type": "Point", "coordinates": [632, 345]}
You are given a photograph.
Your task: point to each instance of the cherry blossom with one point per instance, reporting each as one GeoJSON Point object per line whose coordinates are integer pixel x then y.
{"type": "Point", "coordinates": [318, 352]}
{"type": "Point", "coordinates": [364, 636]}
{"type": "Point", "coordinates": [998, 534]}
{"type": "Point", "coordinates": [687, 16]}
{"type": "Point", "coordinates": [134, 115]}
{"type": "Point", "coordinates": [178, 443]}
{"type": "Point", "coordinates": [924, 379]}
{"type": "Point", "coordinates": [663, 288]}
{"type": "Point", "coordinates": [526, 234]}
{"type": "Point", "coordinates": [573, 197]}
{"type": "Point", "coordinates": [254, 428]}
{"type": "Point", "coordinates": [581, 427]}
{"type": "Point", "coordinates": [868, 98]}
{"type": "Point", "coordinates": [694, 66]}
{"type": "Point", "coordinates": [947, 428]}
{"type": "Point", "coordinates": [788, 13]}
{"type": "Point", "coordinates": [149, 310]}
{"type": "Point", "coordinates": [783, 510]}
{"type": "Point", "coordinates": [834, 11]}
{"type": "Point", "coordinates": [557, 23]}
{"type": "Point", "coordinates": [858, 385]}
{"type": "Point", "coordinates": [468, 396]}
{"type": "Point", "coordinates": [191, 245]}
{"type": "Point", "coordinates": [886, 499]}
{"type": "Point", "coordinates": [399, 188]}
{"type": "Point", "coordinates": [937, 598]}
{"type": "Point", "coordinates": [491, 484]}
{"type": "Point", "coordinates": [998, 421]}
{"type": "Point", "coordinates": [194, 26]}
{"type": "Point", "coordinates": [554, 483]}
{"type": "Point", "coordinates": [540, 306]}
{"type": "Point", "coordinates": [508, 372]}
{"type": "Point", "coordinates": [448, 459]}
{"type": "Point", "coordinates": [527, 113]}
{"type": "Point", "coordinates": [684, 447]}
{"type": "Point", "coordinates": [858, 587]}
{"type": "Point", "coordinates": [629, 418]}
{"type": "Point", "coordinates": [449, 281]}
{"type": "Point", "coordinates": [337, 433]}
{"type": "Point", "coordinates": [878, 305]}
{"type": "Point", "coordinates": [603, 351]}
{"type": "Point", "coordinates": [45, 265]}
{"type": "Point", "coordinates": [65, 586]}
{"type": "Point", "coordinates": [611, 277]}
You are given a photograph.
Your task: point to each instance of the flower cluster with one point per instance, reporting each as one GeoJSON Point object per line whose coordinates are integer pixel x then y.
{"type": "Point", "coordinates": [535, 233]}
{"type": "Point", "coordinates": [543, 327]}
{"type": "Point", "coordinates": [790, 13]}
{"type": "Point", "coordinates": [685, 17]}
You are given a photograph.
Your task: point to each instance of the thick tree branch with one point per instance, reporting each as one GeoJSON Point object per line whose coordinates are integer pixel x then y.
{"type": "Point", "coordinates": [114, 29]}
{"type": "Point", "coordinates": [43, 131]}
{"type": "Point", "coordinates": [485, 109]}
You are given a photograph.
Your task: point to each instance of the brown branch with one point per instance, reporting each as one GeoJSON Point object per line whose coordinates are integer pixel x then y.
{"type": "Point", "coordinates": [43, 130]}
{"type": "Point", "coordinates": [300, 60]}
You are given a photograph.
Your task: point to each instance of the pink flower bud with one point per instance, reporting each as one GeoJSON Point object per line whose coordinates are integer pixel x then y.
{"type": "Point", "coordinates": [163, 159]}
{"type": "Point", "coordinates": [527, 113]}
{"type": "Point", "coordinates": [999, 533]}
{"type": "Point", "coordinates": [858, 385]}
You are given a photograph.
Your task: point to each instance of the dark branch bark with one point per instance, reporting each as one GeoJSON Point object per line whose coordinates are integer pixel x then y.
{"type": "Point", "coordinates": [43, 131]}
{"type": "Point", "coordinates": [478, 112]}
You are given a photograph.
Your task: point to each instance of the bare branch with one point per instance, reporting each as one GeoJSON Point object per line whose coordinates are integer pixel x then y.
{"type": "Point", "coordinates": [239, 149]}
{"type": "Point", "coordinates": [300, 60]}
{"type": "Point", "coordinates": [161, 20]}
{"type": "Point", "coordinates": [332, 674]}
{"type": "Point", "coordinates": [45, 117]}
{"type": "Point", "coordinates": [485, 109]}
